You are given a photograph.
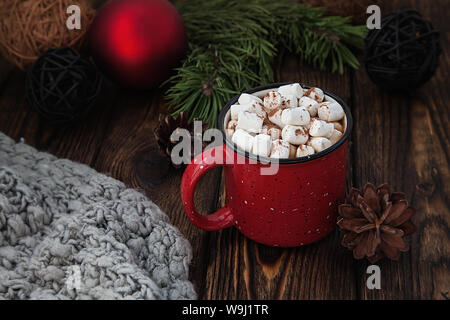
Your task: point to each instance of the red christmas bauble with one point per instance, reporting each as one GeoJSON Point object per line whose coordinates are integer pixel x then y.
{"type": "Point", "coordinates": [138, 42]}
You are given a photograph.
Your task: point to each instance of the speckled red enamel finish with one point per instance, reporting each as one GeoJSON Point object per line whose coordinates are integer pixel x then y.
{"type": "Point", "coordinates": [296, 206]}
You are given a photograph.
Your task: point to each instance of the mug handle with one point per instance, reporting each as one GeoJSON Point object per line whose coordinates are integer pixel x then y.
{"type": "Point", "coordinates": [207, 160]}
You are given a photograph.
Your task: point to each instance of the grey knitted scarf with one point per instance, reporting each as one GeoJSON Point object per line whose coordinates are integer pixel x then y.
{"type": "Point", "coordinates": [68, 232]}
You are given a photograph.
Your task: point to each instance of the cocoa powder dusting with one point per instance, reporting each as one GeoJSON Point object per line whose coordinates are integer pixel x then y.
{"type": "Point", "coordinates": [273, 111]}
{"type": "Point", "coordinates": [309, 91]}
{"type": "Point", "coordinates": [299, 132]}
{"type": "Point", "coordinates": [270, 124]}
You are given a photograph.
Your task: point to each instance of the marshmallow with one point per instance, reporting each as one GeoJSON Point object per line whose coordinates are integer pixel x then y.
{"type": "Point", "coordinates": [235, 109]}
{"type": "Point", "coordinates": [308, 125]}
{"type": "Point", "coordinates": [304, 151]}
{"type": "Point", "coordinates": [275, 117]}
{"type": "Point", "coordinates": [272, 100]}
{"type": "Point", "coordinates": [290, 101]}
{"type": "Point", "coordinates": [294, 134]}
{"type": "Point", "coordinates": [243, 140]}
{"type": "Point", "coordinates": [280, 149]}
{"type": "Point", "coordinates": [229, 132]}
{"type": "Point", "coordinates": [258, 108]}
{"type": "Point", "coordinates": [335, 136]}
{"type": "Point", "coordinates": [310, 104]}
{"type": "Point", "coordinates": [288, 122]}
{"type": "Point", "coordinates": [320, 128]}
{"type": "Point", "coordinates": [249, 121]}
{"type": "Point", "coordinates": [262, 145]}
{"type": "Point", "coordinates": [254, 107]}
{"type": "Point", "coordinates": [319, 143]}
{"type": "Point", "coordinates": [295, 116]}
{"type": "Point", "coordinates": [316, 94]}
{"type": "Point", "coordinates": [232, 124]}
{"type": "Point", "coordinates": [338, 126]}
{"type": "Point", "coordinates": [246, 98]}
{"type": "Point", "coordinates": [330, 111]}
{"type": "Point", "coordinates": [273, 132]}
{"type": "Point", "coordinates": [294, 89]}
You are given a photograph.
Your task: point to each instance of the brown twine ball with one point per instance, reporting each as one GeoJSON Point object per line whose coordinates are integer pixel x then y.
{"type": "Point", "coordinates": [28, 28]}
{"type": "Point", "coordinates": [353, 8]}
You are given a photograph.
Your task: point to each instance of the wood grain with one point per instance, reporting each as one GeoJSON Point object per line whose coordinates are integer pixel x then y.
{"type": "Point", "coordinates": [404, 140]}
{"type": "Point", "coordinates": [78, 142]}
{"type": "Point", "coordinates": [13, 111]}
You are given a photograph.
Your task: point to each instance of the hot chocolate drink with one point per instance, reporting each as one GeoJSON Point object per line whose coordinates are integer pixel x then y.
{"type": "Point", "coordinates": [287, 122]}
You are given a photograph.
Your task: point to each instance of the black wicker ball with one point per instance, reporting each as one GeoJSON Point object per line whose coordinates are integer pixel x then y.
{"type": "Point", "coordinates": [62, 86]}
{"type": "Point", "coordinates": [404, 53]}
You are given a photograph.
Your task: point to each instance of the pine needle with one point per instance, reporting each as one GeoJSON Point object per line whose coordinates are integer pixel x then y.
{"type": "Point", "coordinates": [233, 45]}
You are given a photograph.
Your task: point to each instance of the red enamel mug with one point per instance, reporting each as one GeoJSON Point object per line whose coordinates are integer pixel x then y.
{"type": "Point", "coordinates": [295, 206]}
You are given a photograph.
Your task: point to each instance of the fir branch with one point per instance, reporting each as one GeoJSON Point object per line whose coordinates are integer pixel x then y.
{"type": "Point", "coordinates": [233, 45]}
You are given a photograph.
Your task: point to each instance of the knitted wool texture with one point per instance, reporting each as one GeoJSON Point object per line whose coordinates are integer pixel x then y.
{"type": "Point", "coordinates": [68, 232]}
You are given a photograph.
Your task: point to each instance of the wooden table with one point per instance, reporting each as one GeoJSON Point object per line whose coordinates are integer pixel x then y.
{"type": "Point", "coordinates": [400, 139]}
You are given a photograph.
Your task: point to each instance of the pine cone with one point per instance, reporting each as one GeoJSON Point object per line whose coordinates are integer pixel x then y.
{"type": "Point", "coordinates": [375, 221]}
{"type": "Point", "coordinates": [167, 125]}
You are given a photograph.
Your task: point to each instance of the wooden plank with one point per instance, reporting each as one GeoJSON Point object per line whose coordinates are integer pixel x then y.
{"type": "Point", "coordinates": [129, 153]}
{"type": "Point", "coordinates": [404, 140]}
{"type": "Point", "coordinates": [239, 268]}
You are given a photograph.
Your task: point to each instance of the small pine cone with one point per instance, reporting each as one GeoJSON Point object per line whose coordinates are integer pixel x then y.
{"type": "Point", "coordinates": [168, 125]}
{"type": "Point", "coordinates": [375, 221]}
